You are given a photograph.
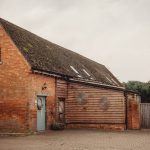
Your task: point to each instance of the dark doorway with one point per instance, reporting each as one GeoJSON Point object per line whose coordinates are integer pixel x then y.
{"type": "Point", "coordinates": [61, 110]}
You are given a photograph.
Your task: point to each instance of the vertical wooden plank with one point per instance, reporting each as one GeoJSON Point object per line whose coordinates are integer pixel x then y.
{"type": "Point", "coordinates": [61, 92]}
{"type": "Point", "coordinates": [145, 115]}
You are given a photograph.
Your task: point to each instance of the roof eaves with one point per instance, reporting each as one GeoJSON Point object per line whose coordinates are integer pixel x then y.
{"type": "Point", "coordinates": [97, 84]}
{"type": "Point", "coordinates": [72, 79]}
{"type": "Point", "coordinates": [49, 73]}
{"type": "Point", "coordinates": [132, 91]}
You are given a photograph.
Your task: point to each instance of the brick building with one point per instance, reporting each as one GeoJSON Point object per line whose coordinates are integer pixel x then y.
{"type": "Point", "coordinates": [42, 83]}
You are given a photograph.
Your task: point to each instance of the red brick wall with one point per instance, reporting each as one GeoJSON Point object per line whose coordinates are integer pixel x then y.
{"type": "Point", "coordinates": [37, 83]}
{"type": "Point", "coordinates": [133, 111]}
{"type": "Point", "coordinates": [19, 89]}
{"type": "Point", "coordinates": [14, 79]}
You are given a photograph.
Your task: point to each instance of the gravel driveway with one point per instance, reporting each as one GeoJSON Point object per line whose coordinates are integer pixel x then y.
{"type": "Point", "coordinates": [79, 140]}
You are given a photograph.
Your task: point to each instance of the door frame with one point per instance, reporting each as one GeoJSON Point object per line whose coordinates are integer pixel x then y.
{"type": "Point", "coordinates": [61, 99]}
{"type": "Point", "coordinates": [44, 96]}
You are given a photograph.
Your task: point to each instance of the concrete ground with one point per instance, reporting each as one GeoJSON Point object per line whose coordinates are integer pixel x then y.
{"type": "Point", "coordinates": [79, 140]}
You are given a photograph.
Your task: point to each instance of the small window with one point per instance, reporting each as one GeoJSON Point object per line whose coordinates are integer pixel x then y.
{"type": "Point", "coordinates": [86, 73]}
{"type": "Point", "coordinates": [39, 103]}
{"type": "Point", "coordinates": [76, 71]}
{"type": "Point", "coordinates": [108, 79]}
{"type": "Point", "coordinates": [114, 82]}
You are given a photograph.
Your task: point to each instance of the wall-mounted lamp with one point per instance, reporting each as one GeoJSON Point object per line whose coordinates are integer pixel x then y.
{"type": "Point", "coordinates": [44, 86]}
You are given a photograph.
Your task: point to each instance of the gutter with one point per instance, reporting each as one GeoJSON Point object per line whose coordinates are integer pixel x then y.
{"type": "Point", "coordinates": [97, 84]}
{"type": "Point", "coordinates": [126, 109]}
{"type": "Point", "coordinates": [71, 79]}
{"type": "Point", "coordinates": [49, 73]}
{"type": "Point", "coordinates": [45, 73]}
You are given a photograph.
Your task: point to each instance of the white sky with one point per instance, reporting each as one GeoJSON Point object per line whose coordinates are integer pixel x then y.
{"type": "Point", "coordinates": [115, 33]}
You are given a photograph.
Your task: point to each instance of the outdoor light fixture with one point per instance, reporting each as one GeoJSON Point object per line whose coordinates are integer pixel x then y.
{"type": "Point", "coordinates": [44, 86]}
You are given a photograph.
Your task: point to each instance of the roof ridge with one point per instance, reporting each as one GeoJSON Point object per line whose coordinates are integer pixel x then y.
{"type": "Point", "coordinates": [48, 41]}
{"type": "Point", "coordinates": [48, 56]}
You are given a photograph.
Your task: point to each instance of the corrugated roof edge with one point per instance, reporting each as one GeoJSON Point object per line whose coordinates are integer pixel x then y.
{"type": "Point", "coordinates": [69, 78]}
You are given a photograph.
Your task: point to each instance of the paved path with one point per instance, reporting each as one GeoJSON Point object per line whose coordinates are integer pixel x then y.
{"type": "Point", "coordinates": [79, 140]}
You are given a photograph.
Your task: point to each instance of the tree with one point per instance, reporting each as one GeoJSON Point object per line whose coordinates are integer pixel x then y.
{"type": "Point", "coordinates": [141, 87]}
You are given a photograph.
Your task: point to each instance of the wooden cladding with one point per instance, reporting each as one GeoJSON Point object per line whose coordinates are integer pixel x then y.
{"type": "Point", "coordinates": [88, 104]}
{"type": "Point", "coordinates": [145, 116]}
{"type": "Point", "coordinates": [61, 88]}
{"type": "Point", "coordinates": [102, 105]}
{"type": "Point", "coordinates": [61, 95]}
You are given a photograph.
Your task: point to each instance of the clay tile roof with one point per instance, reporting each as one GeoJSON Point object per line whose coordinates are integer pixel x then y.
{"type": "Point", "coordinates": [47, 56]}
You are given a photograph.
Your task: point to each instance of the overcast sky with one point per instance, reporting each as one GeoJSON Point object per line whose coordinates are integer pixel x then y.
{"type": "Point", "coordinates": [115, 33]}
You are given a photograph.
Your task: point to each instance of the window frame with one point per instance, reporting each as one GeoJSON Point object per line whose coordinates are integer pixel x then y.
{"type": "Point", "coordinates": [61, 99]}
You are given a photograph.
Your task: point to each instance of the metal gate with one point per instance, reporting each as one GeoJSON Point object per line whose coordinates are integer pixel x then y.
{"type": "Point", "coordinates": [145, 115]}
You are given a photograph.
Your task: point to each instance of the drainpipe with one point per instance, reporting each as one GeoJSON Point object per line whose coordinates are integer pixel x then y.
{"type": "Point", "coordinates": [126, 109]}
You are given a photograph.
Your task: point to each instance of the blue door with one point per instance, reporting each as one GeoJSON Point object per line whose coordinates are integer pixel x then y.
{"type": "Point", "coordinates": [41, 110]}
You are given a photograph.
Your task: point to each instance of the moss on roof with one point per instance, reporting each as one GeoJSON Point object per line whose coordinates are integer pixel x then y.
{"type": "Point", "coordinates": [45, 55]}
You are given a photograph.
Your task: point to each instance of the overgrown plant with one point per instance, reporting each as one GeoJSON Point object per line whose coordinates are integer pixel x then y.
{"type": "Point", "coordinates": [57, 126]}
